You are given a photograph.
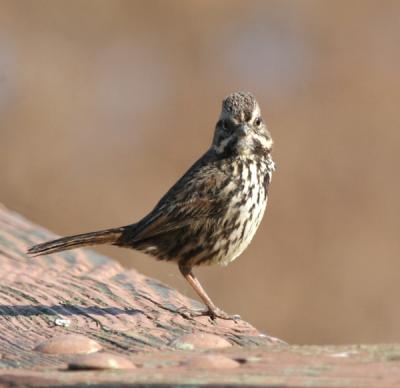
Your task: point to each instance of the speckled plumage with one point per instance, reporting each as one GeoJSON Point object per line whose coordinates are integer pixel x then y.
{"type": "Point", "coordinates": [211, 214]}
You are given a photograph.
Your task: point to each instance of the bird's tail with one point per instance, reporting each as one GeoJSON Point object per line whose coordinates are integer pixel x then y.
{"type": "Point", "coordinates": [107, 236]}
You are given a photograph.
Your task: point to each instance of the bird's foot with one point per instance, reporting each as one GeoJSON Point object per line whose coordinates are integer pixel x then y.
{"type": "Point", "coordinates": [218, 313]}
{"type": "Point", "coordinates": [189, 314]}
{"type": "Point", "coordinates": [213, 314]}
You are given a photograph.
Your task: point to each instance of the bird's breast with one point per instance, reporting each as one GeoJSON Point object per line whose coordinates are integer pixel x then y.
{"type": "Point", "coordinates": [248, 199]}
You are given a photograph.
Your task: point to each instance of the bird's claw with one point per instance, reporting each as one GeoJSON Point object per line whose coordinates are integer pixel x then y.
{"type": "Point", "coordinates": [189, 314]}
{"type": "Point", "coordinates": [213, 314]}
{"type": "Point", "coordinates": [218, 313]}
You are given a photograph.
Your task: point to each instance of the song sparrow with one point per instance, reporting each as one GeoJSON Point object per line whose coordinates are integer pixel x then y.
{"type": "Point", "coordinates": [211, 214]}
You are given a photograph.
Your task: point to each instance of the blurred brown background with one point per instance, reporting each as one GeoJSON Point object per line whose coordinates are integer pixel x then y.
{"type": "Point", "coordinates": [104, 104]}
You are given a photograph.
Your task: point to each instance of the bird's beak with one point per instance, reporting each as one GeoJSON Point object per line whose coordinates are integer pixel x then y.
{"type": "Point", "coordinates": [243, 129]}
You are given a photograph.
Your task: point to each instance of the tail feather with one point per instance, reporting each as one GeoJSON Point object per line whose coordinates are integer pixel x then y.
{"type": "Point", "coordinates": [107, 236]}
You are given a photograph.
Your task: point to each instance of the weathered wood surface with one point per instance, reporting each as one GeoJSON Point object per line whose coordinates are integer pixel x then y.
{"type": "Point", "coordinates": [134, 324]}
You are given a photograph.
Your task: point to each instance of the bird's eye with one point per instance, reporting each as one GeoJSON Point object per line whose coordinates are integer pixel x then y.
{"type": "Point", "coordinates": [258, 121]}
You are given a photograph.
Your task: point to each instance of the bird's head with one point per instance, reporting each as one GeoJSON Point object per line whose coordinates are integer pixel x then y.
{"type": "Point", "coordinates": [240, 129]}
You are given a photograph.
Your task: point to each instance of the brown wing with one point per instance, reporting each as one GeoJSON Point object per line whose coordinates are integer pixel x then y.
{"type": "Point", "coordinates": [191, 207]}
{"type": "Point", "coordinates": [183, 215]}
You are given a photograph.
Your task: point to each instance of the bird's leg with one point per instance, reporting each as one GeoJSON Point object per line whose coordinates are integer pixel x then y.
{"type": "Point", "coordinates": [213, 310]}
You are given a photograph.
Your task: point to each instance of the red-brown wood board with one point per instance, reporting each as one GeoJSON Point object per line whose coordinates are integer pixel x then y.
{"type": "Point", "coordinates": [80, 318]}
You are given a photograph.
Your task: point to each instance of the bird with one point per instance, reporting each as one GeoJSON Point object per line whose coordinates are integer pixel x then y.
{"type": "Point", "coordinates": [210, 215]}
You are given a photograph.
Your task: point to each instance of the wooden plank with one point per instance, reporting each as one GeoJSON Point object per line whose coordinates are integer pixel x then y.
{"type": "Point", "coordinates": [134, 324]}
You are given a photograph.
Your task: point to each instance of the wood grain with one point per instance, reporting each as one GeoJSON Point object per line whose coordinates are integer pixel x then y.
{"type": "Point", "coordinates": [56, 307]}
